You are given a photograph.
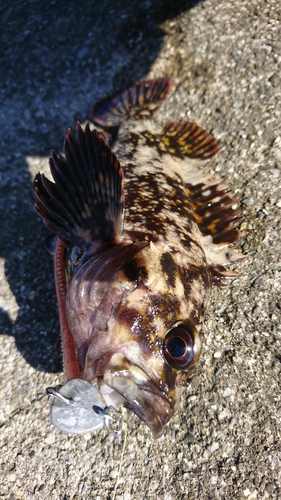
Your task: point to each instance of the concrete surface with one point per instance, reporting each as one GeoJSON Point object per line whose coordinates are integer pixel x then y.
{"type": "Point", "coordinates": [57, 59]}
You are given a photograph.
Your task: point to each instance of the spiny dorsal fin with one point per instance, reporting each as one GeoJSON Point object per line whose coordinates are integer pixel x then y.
{"type": "Point", "coordinates": [217, 220]}
{"type": "Point", "coordinates": [215, 212]}
{"type": "Point", "coordinates": [212, 202]}
{"type": "Point", "coordinates": [85, 203]}
{"type": "Point", "coordinates": [137, 102]}
{"type": "Point", "coordinates": [219, 274]}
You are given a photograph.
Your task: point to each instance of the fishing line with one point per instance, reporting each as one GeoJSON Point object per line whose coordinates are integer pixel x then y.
{"type": "Point", "coordinates": [124, 429]}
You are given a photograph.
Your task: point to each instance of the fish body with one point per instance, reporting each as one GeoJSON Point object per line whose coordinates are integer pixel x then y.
{"type": "Point", "coordinates": [137, 251]}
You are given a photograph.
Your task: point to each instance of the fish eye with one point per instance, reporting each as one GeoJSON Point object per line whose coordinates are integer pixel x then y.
{"type": "Point", "coordinates": [180, 346]}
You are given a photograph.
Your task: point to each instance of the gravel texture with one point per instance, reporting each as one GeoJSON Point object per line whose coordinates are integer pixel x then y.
{"type": "Point", "coordinates": [57, 59]}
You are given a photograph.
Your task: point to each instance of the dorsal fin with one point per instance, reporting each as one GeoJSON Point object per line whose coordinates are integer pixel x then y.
{"type": "Point", "coordinates": [186, 139]}
{"type": "Point", "coordinates": [137, 102]}
{"type": "Point", "coordinates": [85, 203]}
{"type": "Point", "coordinates": [217, 218]}
{"type": "Point", "coordinates": [211, 201]}
{"type": "Point", "coordinates": [215, 212]}
{"type": "Point", "coordinates": [213, 204]}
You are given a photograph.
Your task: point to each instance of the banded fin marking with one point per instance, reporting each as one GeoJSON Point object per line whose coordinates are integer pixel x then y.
{"type": "Point", "coordinates": [85, 203]}
{"type": "Point", "coordinates": [219, 274]}
{"type": "Point", "coordinates": [186, 139]}
{"type": "Point", "coordinates": [137, 102]}
{"type": "Point", "coordinates": [217, 220]}
{"type": "Point", "coordinates": [214, 212]}
{"type": "Point", "coordinates": [212, 202]}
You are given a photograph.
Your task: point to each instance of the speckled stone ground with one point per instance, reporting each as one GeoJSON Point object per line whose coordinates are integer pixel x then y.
{"type": "Point", "coordinates": [57, 59]}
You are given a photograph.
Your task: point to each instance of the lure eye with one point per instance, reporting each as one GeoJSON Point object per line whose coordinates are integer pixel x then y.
{"type": "Point", "coordinates": [180, 347]}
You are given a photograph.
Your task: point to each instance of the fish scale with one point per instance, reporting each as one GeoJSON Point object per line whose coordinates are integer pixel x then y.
{"type": "Point", "coordinates": [143, 231]}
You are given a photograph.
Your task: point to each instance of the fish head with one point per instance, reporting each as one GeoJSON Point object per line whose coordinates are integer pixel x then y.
{"type": "Point", "coordinates": [135, 330]}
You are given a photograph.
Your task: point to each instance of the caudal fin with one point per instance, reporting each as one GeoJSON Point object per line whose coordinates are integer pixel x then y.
{"type": "Point", "coordinates": [137, 102]}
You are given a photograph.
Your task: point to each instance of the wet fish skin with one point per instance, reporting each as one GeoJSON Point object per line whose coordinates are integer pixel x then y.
{"type": "Point", "coordinates": [140, 256]}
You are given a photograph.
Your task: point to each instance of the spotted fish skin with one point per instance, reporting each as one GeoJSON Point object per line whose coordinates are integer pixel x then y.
{"type": "Point", "coordinates": [137, 281]}
{"type": "Point", "coordinates": [158, 205]}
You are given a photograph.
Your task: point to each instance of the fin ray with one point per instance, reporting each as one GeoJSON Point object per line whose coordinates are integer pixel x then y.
{"type": "Point", "coordinates": [63, 182]}
{"type": "Point", "coordinates": [215, 211]}
{"type": "Point", "coordinates": [186, 139]}
{"type": "Point", "coordinates": [85, 203]}
{"type": "Point", "coordinates": [213, 204]}
{"type": "Point", "coordinates": [137, 102]}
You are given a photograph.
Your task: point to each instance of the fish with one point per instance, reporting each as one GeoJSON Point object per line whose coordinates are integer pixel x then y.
{"type": "Point", "coordinates": [143, 232]}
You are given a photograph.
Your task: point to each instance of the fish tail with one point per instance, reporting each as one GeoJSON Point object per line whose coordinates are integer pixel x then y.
{"type": "Point", "coordinates": [137, 102]}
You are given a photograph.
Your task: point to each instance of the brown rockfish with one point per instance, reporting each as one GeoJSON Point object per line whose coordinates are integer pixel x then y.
{"type": "Point", "coordinates": [137, 252]}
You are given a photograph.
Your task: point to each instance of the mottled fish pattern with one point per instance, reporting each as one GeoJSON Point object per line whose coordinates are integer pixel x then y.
{"type": "Point", "coordinates": [138, 250]}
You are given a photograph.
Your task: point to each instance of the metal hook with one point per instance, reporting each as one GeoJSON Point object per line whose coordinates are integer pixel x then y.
{"type": "Point", "coordinates": [54, 393]}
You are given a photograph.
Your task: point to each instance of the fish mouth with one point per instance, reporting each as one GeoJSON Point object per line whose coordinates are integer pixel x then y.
{"type": "Point", "coordinates": [141, 394]}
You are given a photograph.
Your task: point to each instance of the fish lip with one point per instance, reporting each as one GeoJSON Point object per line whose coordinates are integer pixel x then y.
{"type": "Point", "coordinates": [153, 419]}
{"type": "Point", "coordinates": [142, 395]}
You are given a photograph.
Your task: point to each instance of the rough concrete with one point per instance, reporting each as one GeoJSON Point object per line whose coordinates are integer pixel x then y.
{"type": "Point", "coordinates": [57, 59]}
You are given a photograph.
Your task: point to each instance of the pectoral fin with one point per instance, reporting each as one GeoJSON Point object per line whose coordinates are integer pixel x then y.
{"type": "Point", "coordinates": [85, 203]}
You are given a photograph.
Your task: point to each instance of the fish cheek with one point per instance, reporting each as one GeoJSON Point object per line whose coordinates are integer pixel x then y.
{"type": "Point", "coordinates": [176, 380]}
{"type": "Point", "coordinates": [169, 379]}
{"type": "Point", "coordinates": [129, 318]}
{"type": "Point", "coordinates": [138, 326]}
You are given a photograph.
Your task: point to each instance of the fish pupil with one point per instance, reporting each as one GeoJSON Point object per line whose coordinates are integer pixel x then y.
{"type": "Point", "coordinates": [176, 347]}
